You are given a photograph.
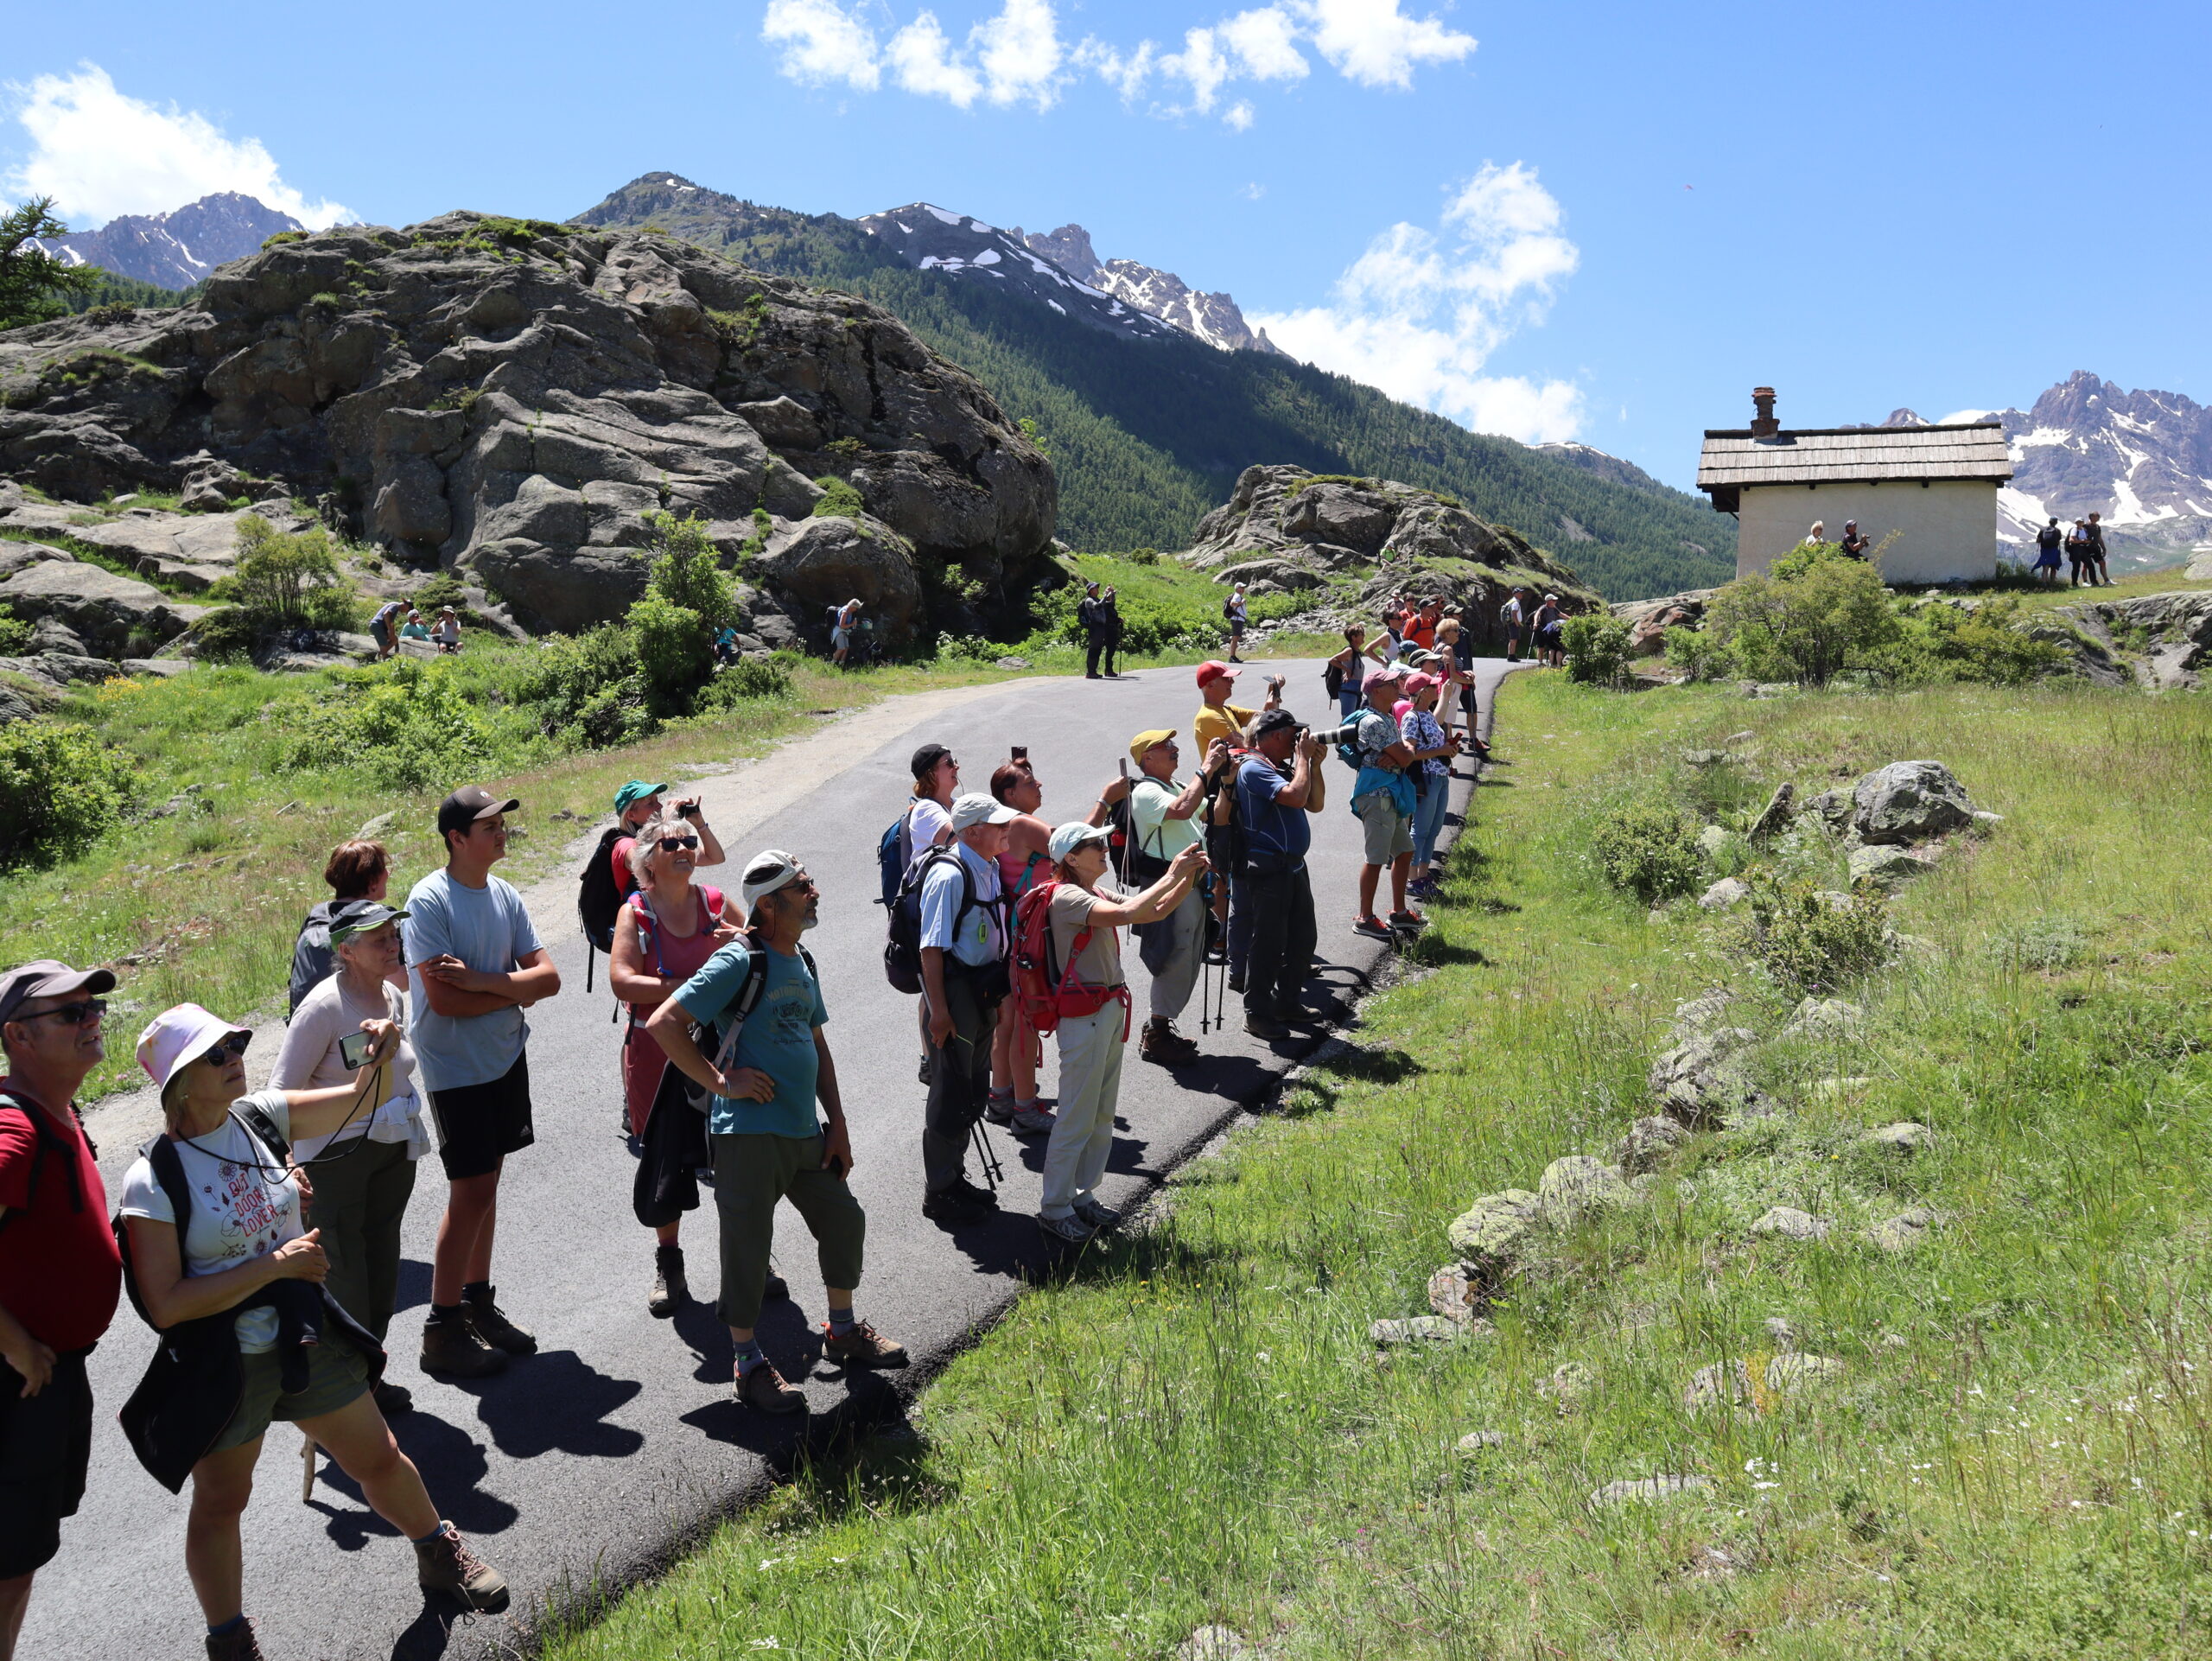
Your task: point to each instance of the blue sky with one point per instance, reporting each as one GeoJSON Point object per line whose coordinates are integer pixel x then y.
{"type": "Point", "coordinates": [1599, 221]}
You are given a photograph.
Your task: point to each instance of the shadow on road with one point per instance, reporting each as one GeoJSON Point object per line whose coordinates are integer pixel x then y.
{"type": "Point", "coordinates": [556, 1402]}
{"type": "Point", "coordinates": [453, 1467]}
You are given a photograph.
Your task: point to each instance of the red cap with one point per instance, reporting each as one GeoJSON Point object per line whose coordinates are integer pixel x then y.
{"type": "Point", "coordinates": [1213, 670]}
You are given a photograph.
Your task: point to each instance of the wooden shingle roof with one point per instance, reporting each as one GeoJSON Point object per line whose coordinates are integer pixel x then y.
{"type": "Point", "coordinates": [1733, 459]}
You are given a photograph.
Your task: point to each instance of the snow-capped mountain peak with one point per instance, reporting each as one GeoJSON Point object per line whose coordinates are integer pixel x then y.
{"type": "Point", "coordinates": [176, 249]}
{"type": "Point", "coordinates": [2141, 459]}
{"type": "Point", "coordinates": [933, 238]}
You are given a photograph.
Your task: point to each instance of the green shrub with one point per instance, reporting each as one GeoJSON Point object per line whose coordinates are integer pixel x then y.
{"type": "Point", "coordinates": [15, 634]}
{"type": "Point", "coordinates": [1647, 848]}
{"type": "Point", "coordinates": [584, 690]}
{"type": "Point", "coordinates": [675, 652]}
{"type": "Point", "coordinates": [748, 679]}
{"type": "Point", "coordinates": [1812, 944]}
{"type": "Point", "coordinates": [839, 499]}
{"type": "Point", "coordinates": [286, 580]}
{"type": "Point", "coordinates": [442, 590]}
{"type": "Point", "coordinates": [409, 729]}
{"type": "Point", "coordinates": [61, 790]}
{"type": "Point", "coordinates": [1693, 651]}
{"type": "Point", "coordinates": [1814, 613]}
{"type": "Point", "coordinates": [1144, 556]}
{"type": "Point", "coordinates": [1597, 648]}
{"type": "Point", "coordinates": [1942, 643]}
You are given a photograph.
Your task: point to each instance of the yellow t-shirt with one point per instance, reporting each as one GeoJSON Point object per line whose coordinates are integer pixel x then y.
{"type": "Point", "coordinates": [1226, 721]}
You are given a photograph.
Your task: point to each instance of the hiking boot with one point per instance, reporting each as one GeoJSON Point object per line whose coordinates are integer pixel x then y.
{"type": "Point", "coordinates": [762, 1389]}
{"type": "Point", "coordinates": [445, 1564]}
{"type": "Point", "coordinates": [236, 1645]}
{"type": "Point", "coordinates": [1063, 1230]}
{"type": "Point", "coordinates": [1163, 1044]}
{"type": "Point", "coordinates": [863, 1346]}
{"type": "Point", "coordinates": [670, 1292]}
{"type": "Point", "coordinates": [492, 1326]}
{"type": "Point", "coordinates": [1098, 1215]}
{"type": "Point", "coordinates": [1372, 926]}
{"type": "Point", "coordinates": [1236, 982]}
{"type": "Point", "coordinates": [451, 1349]}
{"type": "Point", "coordinates": [1031, 1121]}
{"type": "Point", "coordinates": [1266, 1027]}
{"type": "Point", "coordinates": [1408, 918]}
{"type": "Point", "coordinates": [1295, 1014]}
{"type": "Point", "coordinates": [952, 1207]}
{"type": "Point", "coordinates": [392, 1399]}
{"type": "Point", "coordinates": [998, 1107]}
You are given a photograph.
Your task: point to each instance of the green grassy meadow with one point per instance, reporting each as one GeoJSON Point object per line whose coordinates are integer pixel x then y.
{"type": "Point", "coordinates": [2016, 1460]}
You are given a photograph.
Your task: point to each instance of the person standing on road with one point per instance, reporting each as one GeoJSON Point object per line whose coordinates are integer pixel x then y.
{"type": "Point", "coordinates": [1086, 964]}
{"type": "Point", "coordinates": [638, 805]}
{"type": "Point", "coordinates": [2096, 530]}
{"type": "Point", "coordinates": [359, 869]}
{"type": "Point", "coordinates": [1218, 717]}
{"type": "Point", "coordinates": [475, 966]}
{"type": "Point", "coordinates": [1110, 613]}
{"type": "Point", "coordinates": [668, 928]}
{"type": "Point", "coordinates": [1432, 770]}
{"type": "Point", "coordinates": [1237, 614]}
{"type": "Point", "coordinates": [1549, 625]}
{"type": "Point", "coordinates": [771, 1066]}
{"type": "Point", "coordinates": [1015, 1051]}
{"type": "Point", "coordinates": [1347, 671]}
{"type": "Point", "coordinates": [1278, 788]}
{"type": "Point", "coordinates": [1164, 816]}
{"type": "Point", "coordinates": [1383, 799]}
{"type": "Point", "coordinates": [59, 1271]}
{"type": "Point", "coordinates": [929, 814]}
{"type": "Point", "coordinates": [1511, 618]}
{"type": "Point", "coordinates": [841, 635]}
{"type": "Point", "coordinates": [202, 1277]}
{"type": "Point", "coordinates": [365, 1175]}
{"type": "Point", "coordinates": [964, 933]}
{"type": "Point", "coordinates": [1089, 617]}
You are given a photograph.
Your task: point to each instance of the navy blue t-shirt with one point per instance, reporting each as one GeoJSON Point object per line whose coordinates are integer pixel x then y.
{"type": "Point", "coordinates": [1275, 836]}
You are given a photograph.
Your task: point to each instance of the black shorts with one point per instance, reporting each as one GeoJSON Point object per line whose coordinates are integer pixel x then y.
{"type": "Point", "coordinates": [46, 1446]}
{"type": "Point", "coordinates": [481, 1124]}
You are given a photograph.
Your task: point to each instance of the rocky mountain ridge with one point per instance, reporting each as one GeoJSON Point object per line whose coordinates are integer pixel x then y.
{"type": "Point", "coordinates": [1213, 318]}
{"type": "Point", "coordinates": [179, 248]}
{"type": "Point", "coordinates": [509, 399]}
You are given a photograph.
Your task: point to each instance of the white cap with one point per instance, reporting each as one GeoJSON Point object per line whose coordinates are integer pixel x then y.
{"type": "Point", "coordinates": [765, 872]}
{"type": "Point", "coordinates": [178, 1037]}
{"type": "Point", "coordinates": [976, 808]}
{"type": "Point", "coordinates": [1066, 838]}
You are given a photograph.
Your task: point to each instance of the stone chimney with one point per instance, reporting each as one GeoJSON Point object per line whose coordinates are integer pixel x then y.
{"type": "Point", "coordinates": [1763, 425]}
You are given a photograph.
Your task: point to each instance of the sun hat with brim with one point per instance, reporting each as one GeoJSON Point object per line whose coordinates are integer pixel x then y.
{"type": "Point", "coordinates": [1145, 741]}
{"type": "Point", "coordinates": [359, 917]}
{"type": "Point", "coordinates": [976, 808]}
{"type": "Point", "coordinates": [180, 1035]}
{"type": "Point", "coordinates": [765, 872]}
{"type": "Point", "coordinates": [635, 792]}
{"type": "Point", "coordinates": [1066, 838]}
{"type": "Point", "coordinates": [42, 977]}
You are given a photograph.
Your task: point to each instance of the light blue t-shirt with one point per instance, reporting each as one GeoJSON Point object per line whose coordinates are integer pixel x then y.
{"type": "Point", "coordinates": [486, 928]}
{"type": "Point", "coordinates": [981, 936]}
{"type": "Point", "coordinates": [778, 1039]}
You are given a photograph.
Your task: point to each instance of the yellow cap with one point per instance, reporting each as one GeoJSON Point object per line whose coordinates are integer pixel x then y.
{"type": "Point", "coordinates": [1144, 741]}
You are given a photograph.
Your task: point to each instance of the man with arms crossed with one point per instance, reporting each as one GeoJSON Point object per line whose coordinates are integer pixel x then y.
{"type": "Point", "coordinates": [1272, 816]}
{"type": "Point", "coordinates": [474, 965]}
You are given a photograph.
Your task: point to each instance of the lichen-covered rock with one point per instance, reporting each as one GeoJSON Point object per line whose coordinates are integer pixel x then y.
{"type": "Point", "coordinates": [1774, 818]}
{"type": "Point", "coordinates": [1453, 1295]}
{"type": "Point", "coordinates": [1650, 1488]}
{"type": "Point", "coordinates": [1728, 892]}
{"type": "Point", "coordinates": [1651, 1142]}
{"type": "Point", "coordinates": [1476, 1443]}
{"type": "Point", "coordinates": [511, 399]}
{"type": "Point", "coordinates": [1416, 1329]}
{"type": "Point", "coordinates": [1492, 1232]}
{"type": "Point", "coordinates": [1904, 1231]}
{"type": "Point", "coordinates": [1701, 1081]}
{"type": "Point", "coordinates": [1827, 1018]}
{"type": "Point", "coordinates": [1569, 1385]}
{"type": "Point", "coordinates": [1791, 1224]}
{"type": "Point", "coordinates": [1724, 1383]}
{"type": "Point", "coordinates": [1908, 802]}
{"type": "Point", "coordinates": [1906, 1137]}
{"type": "Point", "coordinates": [1888, 866]}
{"type": "Point", "coordinates": [1579, 1183]}
{"type": "Point", "coordinates": [1833, 808]}
{"type": "Point", "coordinates": [1800, 1371]}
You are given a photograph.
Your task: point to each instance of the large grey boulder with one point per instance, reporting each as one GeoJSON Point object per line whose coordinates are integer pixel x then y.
{"type": "Point", "coordinates": [508, 401]}
{"type": "Point", "coordinates": [1649, 621]}
{"type": "Point", "coordinates": [104, 610]}
{"type": "Point", "coordinates": [1579, 1182]}
{"type": "Point", "coordinates": [1908, 802]}
{"type": "Point", "coordinates": [826, 562]}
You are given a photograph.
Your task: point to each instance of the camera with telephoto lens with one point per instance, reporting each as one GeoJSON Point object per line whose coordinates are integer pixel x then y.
{"type": "Point", "coordinates": [1329, 735]}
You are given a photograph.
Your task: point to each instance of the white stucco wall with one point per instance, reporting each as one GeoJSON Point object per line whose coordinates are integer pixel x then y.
{"type": "Point", "coordinates": [1946, 530]}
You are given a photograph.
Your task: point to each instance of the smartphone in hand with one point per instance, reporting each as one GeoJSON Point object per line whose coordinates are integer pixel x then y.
{"type": "Point", "coordinates": [353, 1050]}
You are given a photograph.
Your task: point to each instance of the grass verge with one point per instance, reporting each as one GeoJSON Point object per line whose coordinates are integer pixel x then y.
{"type": "Point", "coordinates": [2015, 1461]}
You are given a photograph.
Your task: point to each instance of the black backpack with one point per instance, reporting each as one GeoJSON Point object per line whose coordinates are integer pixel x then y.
{"type": "Point", "coordinates": [902, 951]}
{"type": "Point", "coordinates": [599, 898]}
{"type": "Point", "coordinates": [1333, 679]}
{"type": "Point", "coordinates": [43, 1138]}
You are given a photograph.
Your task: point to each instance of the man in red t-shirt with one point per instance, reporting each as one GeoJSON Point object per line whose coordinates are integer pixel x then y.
{"type": "Point", "coordinates": [59, 1271]}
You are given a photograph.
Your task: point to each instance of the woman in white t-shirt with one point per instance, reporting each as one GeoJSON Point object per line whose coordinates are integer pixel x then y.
{"type": "Point", "coordinates": [243, 1234]}
{"type": "Point", "coordinates": [365, 1175]}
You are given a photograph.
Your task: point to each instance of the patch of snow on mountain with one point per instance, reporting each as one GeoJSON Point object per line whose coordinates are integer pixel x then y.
{"type": "Point", "coordinates": [989, 256]}
{"type": "Point", "coordinates": [1058, 307]}
{"type": "Point", "coordinates": [943, 217]}
{"type": "Point", "coordinates": [980, 228]}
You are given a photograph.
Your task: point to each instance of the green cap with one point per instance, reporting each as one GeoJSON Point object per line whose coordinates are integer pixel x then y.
{"type": "Point", "coordinates": [633, 793]}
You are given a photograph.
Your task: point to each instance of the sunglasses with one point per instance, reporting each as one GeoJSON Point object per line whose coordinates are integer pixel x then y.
{"type": "Point", "coordinates": [225, 1049]}
{"type": "Point", "coordinates": [72, 1015]}
{"type": "Point", "coordinates": [670, 845]}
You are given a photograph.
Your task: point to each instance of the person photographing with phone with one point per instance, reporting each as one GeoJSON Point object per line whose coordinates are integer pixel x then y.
{"type": "Point", "coordinates": [757, 1005]}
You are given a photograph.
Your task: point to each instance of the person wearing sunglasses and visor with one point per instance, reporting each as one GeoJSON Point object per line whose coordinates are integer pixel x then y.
{"type": "Point", "coordinates": [365, 1175]}
{"type": "Point", "coordinates": [60, 1273]}
{"type": "Point", "coordinates": [667, 929]}
{"type": "Point", "coordinates": [218, 1381]}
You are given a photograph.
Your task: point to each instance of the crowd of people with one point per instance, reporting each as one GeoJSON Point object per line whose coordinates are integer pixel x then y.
{"type": "Point", "coordinates": [260, 1232]}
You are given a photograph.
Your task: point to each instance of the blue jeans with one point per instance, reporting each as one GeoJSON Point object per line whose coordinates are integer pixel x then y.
{"type": "Point", "coordinates": [1428, 819]}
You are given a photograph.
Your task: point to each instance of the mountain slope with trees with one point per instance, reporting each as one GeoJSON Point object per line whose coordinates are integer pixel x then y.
{"type": "Point", "coordinates": [1149, 436]}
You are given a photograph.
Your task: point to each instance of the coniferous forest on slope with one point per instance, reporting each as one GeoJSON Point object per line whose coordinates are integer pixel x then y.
{"type": "Point", "coordinates": [1149, 435]}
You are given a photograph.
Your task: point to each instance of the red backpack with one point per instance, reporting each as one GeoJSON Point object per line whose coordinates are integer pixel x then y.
{"type": "Point", "coordinates": [1041, 994]}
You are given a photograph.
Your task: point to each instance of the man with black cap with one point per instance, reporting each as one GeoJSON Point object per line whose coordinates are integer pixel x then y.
{"type": "Point", "coordinates": [474, 965]}
{"type": "Point", "coordinates": [59, 1271]}
{"type": "Point", "coordinates": [964, 936]}
{"type": "Point", "coordinates": [1278, 785]}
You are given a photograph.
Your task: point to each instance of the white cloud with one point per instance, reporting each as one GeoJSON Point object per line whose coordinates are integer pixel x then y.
{"type": "Point", "coordinates": [1016, 56]}
{"type": "Point", "coordinates": [822, 43]}
{"type": "Point", "coordinates": [98, 153]}
{"type": "Point", "coordinates": [1369, 41]}
{"type": "Point", "coordinates": [1252, 192]}
{"type": "Point", "coordinates": [1420, 312]}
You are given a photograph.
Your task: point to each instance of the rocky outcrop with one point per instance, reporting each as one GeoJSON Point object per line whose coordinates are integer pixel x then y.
{"type": "Point", "coordinates": [1649, 621]}
{"type": "Point", "coordinates": [2159, 640]}
{"type": "Point", "coordinates": [176, 249]}
{"type": "Point", "coordinates": [1909, 802]}
{"type": "Point", "coordinates": [508, 400]}
{"type": "Point", "coordinates": [1415, 542]}
{"type": "Point", "coordinates": [85, 610]}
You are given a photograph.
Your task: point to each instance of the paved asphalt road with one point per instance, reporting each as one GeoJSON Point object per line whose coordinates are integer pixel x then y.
{"type": "Point", "coordinates": [598, 1457]}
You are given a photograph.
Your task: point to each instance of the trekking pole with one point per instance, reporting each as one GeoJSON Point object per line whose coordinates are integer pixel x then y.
{"type": "Point", "coordinates": [986, 1158]}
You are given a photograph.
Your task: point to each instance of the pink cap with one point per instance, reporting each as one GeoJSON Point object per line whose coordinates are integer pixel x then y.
{"type": "Point", "coordinates": [1416, 683]}
{"type": "Point", "coordinates": [179, 1035]}
{"type": "Point", "coordinates": [1402, 708]}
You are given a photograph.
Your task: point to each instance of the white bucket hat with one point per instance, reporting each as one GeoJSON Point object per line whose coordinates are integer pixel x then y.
{"type": "Point", "coordinates": [180, 1035]}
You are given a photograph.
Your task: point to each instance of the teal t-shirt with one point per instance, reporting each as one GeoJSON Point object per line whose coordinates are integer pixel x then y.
{"type": "Point", "coordinates": [778, 1039]}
